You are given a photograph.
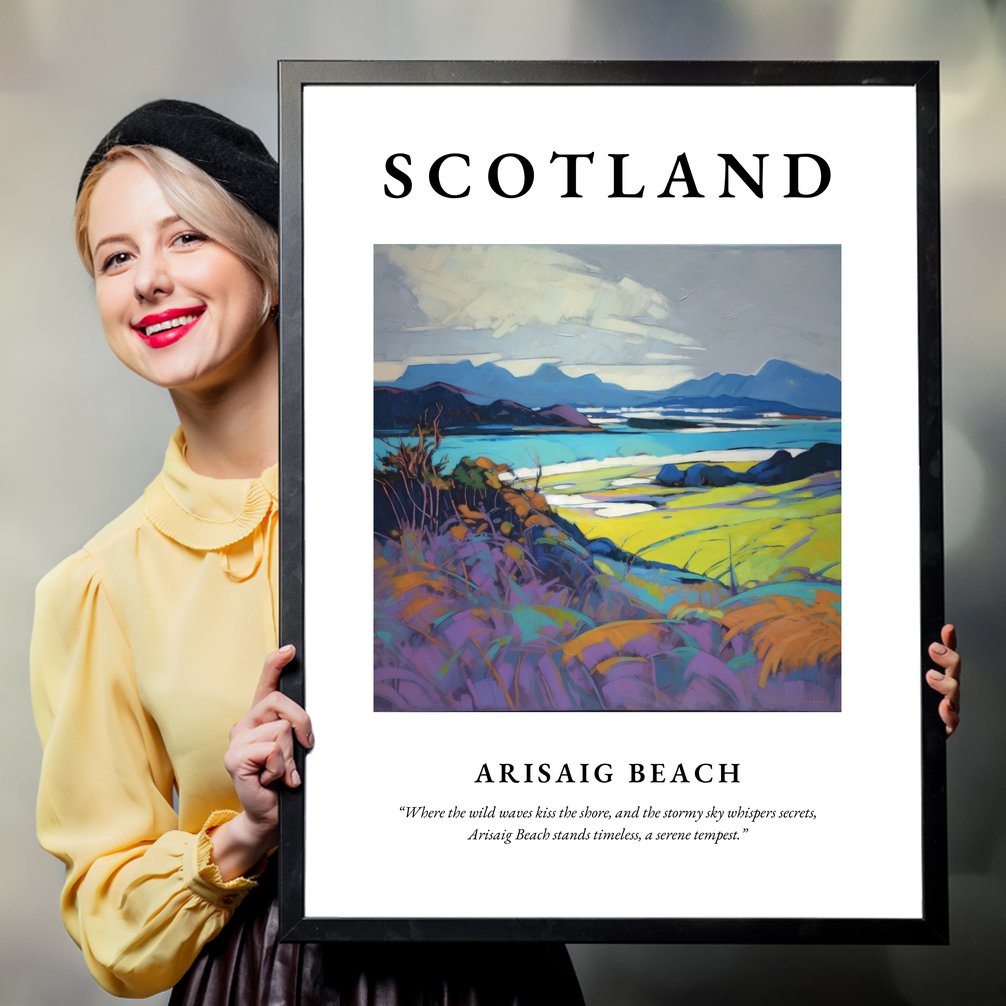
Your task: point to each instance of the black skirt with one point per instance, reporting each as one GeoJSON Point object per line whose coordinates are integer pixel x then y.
{"type": "Point", "coordinates": [246, 965]}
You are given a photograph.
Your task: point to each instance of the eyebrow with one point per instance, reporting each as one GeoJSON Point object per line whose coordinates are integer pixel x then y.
{"type": "Point", "coordinates": [111, 238]}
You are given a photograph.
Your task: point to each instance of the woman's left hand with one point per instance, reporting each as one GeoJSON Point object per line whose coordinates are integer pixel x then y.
{"type": "Point", "coordinates": [948, 681]}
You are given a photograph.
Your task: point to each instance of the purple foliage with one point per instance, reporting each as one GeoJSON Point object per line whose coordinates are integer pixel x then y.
{"type": "Point", "coordinates": [713, 685]}
{"type": "Point", "coordinates": [491, 621]}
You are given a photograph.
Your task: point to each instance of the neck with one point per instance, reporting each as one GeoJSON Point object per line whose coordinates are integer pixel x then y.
{"type": "Point", "coordinates": [231, 426]}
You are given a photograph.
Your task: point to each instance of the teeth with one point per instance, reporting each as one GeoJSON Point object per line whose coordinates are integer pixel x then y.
{"type": "Point", "coordinates": [174, 323]}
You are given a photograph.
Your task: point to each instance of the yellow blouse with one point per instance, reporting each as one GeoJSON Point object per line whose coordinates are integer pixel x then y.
{"type": "Point", "coordinates": [147, 647]}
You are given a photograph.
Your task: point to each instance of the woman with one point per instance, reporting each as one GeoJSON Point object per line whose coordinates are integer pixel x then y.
{"type": "Point", "coordinates": [149, 643]}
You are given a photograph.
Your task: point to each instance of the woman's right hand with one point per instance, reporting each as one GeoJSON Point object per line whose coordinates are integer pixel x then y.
{"type": "Point", "coordinates": [260, 753]}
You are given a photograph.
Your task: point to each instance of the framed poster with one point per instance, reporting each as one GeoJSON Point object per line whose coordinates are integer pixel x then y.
{"type": "Point", "coordinates": [612, 526]}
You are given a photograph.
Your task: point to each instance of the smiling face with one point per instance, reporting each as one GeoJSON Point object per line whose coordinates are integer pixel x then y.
{"type": "Point", "coordinates": [177, 307]}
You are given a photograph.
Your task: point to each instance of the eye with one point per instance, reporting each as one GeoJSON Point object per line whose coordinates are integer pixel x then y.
{"type": "Point", "coordinates": [115, 261]}
{"type": "Point", "coordinates": [189, 239]}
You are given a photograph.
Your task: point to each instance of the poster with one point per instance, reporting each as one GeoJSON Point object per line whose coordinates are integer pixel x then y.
{"type": "Point", "coordinates": [611, 376]}
{"type": "Point", "coordinates": [576, 512]}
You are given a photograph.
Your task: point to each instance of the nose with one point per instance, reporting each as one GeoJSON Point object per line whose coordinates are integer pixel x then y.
{"type": "Point", "coordinates": [152, 276]}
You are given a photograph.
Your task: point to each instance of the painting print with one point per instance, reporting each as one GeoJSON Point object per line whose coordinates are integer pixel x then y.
{"type": "Point", "coordinates": [607, 478]}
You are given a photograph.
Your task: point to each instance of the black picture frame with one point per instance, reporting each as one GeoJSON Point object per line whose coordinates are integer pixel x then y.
{"type": "Point", "coordinates": [931, 927]}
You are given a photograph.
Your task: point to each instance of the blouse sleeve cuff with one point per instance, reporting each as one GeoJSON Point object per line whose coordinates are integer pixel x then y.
{"type": "Point", "coordinates": [202, 876]}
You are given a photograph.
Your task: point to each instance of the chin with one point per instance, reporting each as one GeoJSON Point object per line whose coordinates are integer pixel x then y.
{"type": "Point", "coordinates": [170, 374]}
{"type": "Point", "coordinates": [191, 364]}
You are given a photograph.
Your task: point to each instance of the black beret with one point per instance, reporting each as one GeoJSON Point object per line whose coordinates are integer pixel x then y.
{"type": "Point", "coordinates": [231, 154]}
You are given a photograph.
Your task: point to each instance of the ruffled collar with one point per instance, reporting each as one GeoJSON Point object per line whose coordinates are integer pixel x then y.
{"type": "Point", "coordinates": [203, 513]}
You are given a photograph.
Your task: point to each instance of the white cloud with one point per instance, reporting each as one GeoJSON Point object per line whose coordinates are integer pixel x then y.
{"type": "Point", "coordinates": [500, 288]}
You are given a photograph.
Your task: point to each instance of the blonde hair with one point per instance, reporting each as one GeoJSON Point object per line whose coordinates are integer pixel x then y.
{"type": "Point", "coordinates": [199, 200]}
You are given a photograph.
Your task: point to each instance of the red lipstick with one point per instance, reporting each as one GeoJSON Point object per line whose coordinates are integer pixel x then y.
{"type": "Point", "coordinates": [166, 327]}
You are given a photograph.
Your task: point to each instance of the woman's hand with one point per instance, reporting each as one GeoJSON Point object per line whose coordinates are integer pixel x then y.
{"type": "Point", "coordinates": [260, 753]}
{"type": "Point", "coordinates": [947, 682]}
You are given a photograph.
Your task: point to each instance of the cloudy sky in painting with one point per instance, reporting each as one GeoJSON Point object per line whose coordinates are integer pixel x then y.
{"type": "Point", "coordinates": [645, 317]}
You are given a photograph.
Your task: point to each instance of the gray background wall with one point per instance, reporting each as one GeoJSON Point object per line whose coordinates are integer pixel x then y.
{"type": "Point", "coordinates": [81, 436]}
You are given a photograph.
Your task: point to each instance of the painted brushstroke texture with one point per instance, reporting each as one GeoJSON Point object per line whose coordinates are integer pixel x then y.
{"type": "Point", "coordinates": [582, 520]}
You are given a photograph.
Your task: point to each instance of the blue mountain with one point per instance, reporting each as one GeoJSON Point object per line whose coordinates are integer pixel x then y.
{"type": "Point", "coordinates": [777, 381]}
{"type": "Point", "coordinates": [546, 386]}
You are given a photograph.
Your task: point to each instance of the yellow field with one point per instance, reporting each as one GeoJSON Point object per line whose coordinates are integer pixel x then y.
{"type": "Point", "coordinates": [761, 530]}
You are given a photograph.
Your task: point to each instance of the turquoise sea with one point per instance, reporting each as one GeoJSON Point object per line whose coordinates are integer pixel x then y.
{"type": "Point", "coordinates": [526, 450]}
